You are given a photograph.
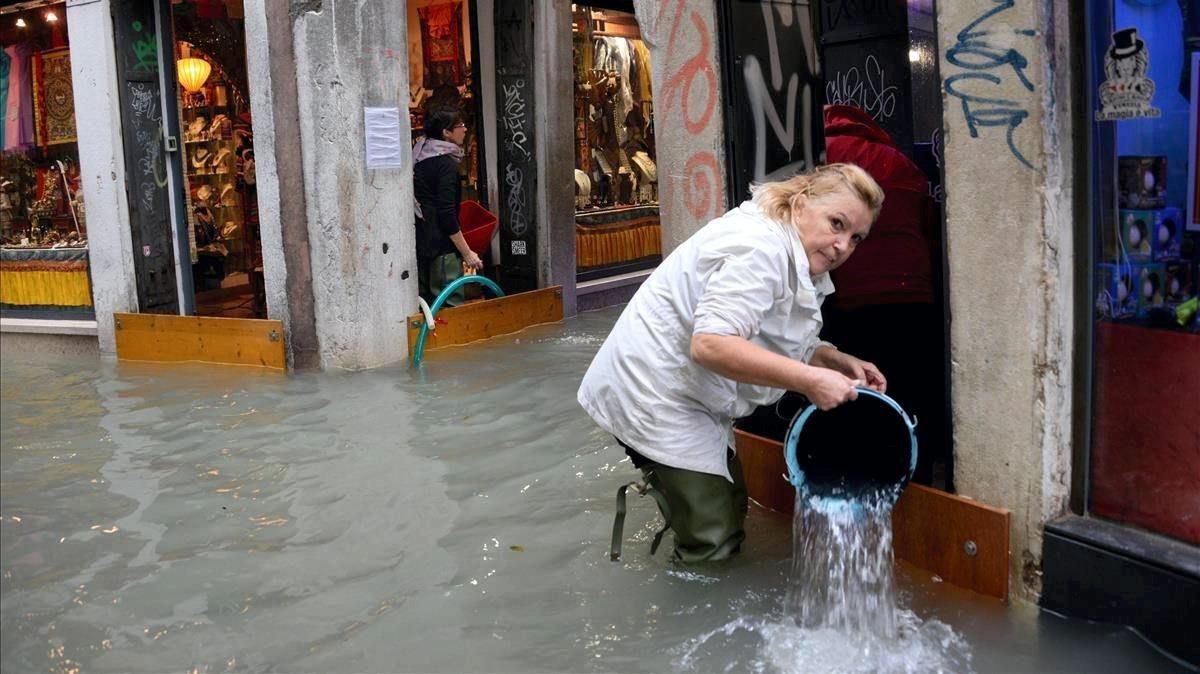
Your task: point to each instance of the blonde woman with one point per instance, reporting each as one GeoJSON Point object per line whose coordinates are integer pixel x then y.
{"type": "Point", "coordinates": [729, 321]}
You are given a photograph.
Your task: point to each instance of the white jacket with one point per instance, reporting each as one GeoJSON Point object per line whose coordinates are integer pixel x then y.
{"type": "Point", "coordinates": [741, 274]}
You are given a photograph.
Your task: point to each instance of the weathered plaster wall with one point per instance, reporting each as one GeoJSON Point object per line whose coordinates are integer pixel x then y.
{"type": "Point", "coordinates": [350, 56]}
{"type": "Point", "coordinates": [102, 164]}
{"type": "Point", "coordinates": [1008, 222]}
{"type": "Point", "coordinates": [682, 37]}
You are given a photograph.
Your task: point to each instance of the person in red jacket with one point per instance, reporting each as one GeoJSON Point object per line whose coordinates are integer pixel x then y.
{"type": "Point", "coordinates": [889, 286]}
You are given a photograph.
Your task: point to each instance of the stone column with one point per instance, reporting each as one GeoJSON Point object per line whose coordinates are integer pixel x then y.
{"type": "Point", "coordinates": [555, 119]}
{"type": "Point", "coordinates": [688, 122]}
{"type": "Point", "coordinates": [102, 164]}
{"type": "Point", "coordinates": [360, 222]}
{"type": "Point", "coordinates": [1005, 75]}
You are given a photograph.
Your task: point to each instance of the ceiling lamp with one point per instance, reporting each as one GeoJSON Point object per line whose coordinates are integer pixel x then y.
{"type": "Point", "coordinates": [193, 73]}
{"type": "Point", "coordinates": [20, 22]}
{"type": "Point", "coordinates": [51, 17]}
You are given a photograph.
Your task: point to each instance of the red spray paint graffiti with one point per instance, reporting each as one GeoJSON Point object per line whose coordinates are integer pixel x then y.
{"type": "Point", "coordinates": [703, 192]}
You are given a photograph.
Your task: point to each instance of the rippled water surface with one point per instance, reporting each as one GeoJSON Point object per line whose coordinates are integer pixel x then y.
{"type": "Point", "coordinates": [210, 519]}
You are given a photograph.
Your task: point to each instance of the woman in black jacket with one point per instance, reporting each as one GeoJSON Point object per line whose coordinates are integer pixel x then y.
{"type": "Point", "coordinates": [441, 248]}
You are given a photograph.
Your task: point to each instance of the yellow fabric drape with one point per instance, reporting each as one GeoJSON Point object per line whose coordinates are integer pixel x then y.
{"type": "Point", "coordinates": [45, 288]}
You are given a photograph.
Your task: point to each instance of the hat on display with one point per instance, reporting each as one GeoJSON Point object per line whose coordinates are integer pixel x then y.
{"type": "Point", "coordinates": [204, 193]}
{"type": "Point", "coordinates": [1126, 43]}
{"type": "Point", "coordinates": [197, 126]}
{"type": "Point", "coordinates": [200, 157]}
{"type": "Point", "coordinates": [222, 157]}
{"type": "Point", "coordinates": [228, 196]}
{"type": "Point", "coordinates": [217, 126]}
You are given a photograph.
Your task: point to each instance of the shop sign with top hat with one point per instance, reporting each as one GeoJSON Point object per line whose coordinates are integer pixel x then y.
{"type": "Point", "coordinates": [1126, 92]}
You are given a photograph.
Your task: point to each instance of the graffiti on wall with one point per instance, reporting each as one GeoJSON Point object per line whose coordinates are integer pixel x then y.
{"type": "Point", "coordinates": [987, 53]}
{"type": "Point", "coordinates": [777, 20]}
{"type": "Point", "coordinates": [690, 89]}
{"type": "Point", "coordinates": [867, 89]}
{"type": "Point", "coordinates": [518, 144]}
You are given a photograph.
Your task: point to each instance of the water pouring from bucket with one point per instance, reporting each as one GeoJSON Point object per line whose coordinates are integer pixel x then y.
{"type": "Point", "coordinates": [848, 465]}
{"type": "Point", "coordinates": [863, 451]}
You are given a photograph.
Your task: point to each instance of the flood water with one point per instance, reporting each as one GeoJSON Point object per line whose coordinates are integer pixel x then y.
{"type": "Point", "coordinates": [207, 519]}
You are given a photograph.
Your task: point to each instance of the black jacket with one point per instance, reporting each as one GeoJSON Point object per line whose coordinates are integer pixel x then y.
{"type": "Point", "coordinates": [436, 188]}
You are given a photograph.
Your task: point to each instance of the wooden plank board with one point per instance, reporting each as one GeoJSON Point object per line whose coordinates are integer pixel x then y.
{"type": "Point", "coordinates": [765, 471]}
{"type": "Point", "coordinates": [233, 341]}
{"type": "Point", "coordinates": [476, 321]}
{"type": "Point", "coordinates": [930, 528]}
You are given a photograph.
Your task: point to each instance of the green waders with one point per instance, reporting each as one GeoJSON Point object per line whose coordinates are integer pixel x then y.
{"type": "Point", "coordinates": [706, 512]}
{"type": "Point", "coordinates": [434, 275]}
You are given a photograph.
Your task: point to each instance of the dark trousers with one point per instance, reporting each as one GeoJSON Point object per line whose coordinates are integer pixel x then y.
{"type": "Point", "coordinates": [707, 512]}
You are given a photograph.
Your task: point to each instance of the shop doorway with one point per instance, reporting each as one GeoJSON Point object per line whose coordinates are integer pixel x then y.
{"type": "Point", "coordinates": [444, 95]}
{"type": "Point", "coordinates": [217, 195]}
{"type": "Point", "coordinates": [617, 226]}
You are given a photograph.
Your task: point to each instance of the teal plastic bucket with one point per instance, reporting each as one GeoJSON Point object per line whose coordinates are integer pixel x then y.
{"type": "Point", "coordinates": [864, 450]}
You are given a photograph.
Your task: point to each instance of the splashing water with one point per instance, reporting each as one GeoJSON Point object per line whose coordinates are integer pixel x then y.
{"type": "Point", "coordinates": [841, 611]}
{"type": "Point", "coordinates": [842, 577]}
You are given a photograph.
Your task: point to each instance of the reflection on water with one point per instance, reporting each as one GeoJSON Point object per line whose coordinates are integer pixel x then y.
{"type": "Point", "coordinates": [209, 519]}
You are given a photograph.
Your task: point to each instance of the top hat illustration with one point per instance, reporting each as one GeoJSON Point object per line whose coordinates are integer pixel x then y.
{"type": "Point", "coordinates": [1126, 43]}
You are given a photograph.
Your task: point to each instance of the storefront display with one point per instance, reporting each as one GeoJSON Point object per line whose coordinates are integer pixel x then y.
{"type": "Point", "coordinates": [1146, 341]}
{"type": "Point", "coordinates": [220, 183]}
{"type": "Point", "coordinates": [43, 229]}
{"type": "Point", "coordinates": [616, 174]}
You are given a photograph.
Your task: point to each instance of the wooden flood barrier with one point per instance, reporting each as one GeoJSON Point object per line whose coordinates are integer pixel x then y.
{"type": "Point", "coordinates": [475, 321]}
{"type": "Point", "coordinates": [229, 341]}
{"type": "Point", "coordinates": [962, 541]}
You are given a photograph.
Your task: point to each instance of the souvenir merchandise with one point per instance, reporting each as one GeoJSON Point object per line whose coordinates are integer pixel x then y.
{"type": "Point", "coordinates": [1179, 282]}
{"type": "Point", "coordinates": [1116, 297]}
{"type": "Point", "coordinates": [1168, 234]}
{"type": "Point", "coordinates": [1137, 230]}
{"type": "Point", "coordinates": [200, 158]}
{"type": "Point", "coordinates": [195, 130]}
{"type": "Point", "coordinates": [616, 218]}
{"type": "Point", "coordinates": [1151, 288]}
{"type": "Point", "coordinates": [1141, 182]}
{"type": "Point", "coordinates": [44, 256]}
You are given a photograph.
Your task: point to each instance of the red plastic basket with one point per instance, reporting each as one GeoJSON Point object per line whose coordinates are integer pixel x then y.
{"type": "Point", "coordinates": [477, 224]}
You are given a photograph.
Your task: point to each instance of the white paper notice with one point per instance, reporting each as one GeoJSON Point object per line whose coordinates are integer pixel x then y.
{"type": "Point", "coordinates": [383, 146]}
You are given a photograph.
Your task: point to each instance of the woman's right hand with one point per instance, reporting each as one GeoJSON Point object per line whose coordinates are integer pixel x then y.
{"type": "Point", "coordinates": [829, 388]}
{"type": "Point", "coordinates": [473, 261]}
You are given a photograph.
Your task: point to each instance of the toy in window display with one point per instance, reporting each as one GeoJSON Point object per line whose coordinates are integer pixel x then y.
{"type": "Point", "coordinates": [1142, 182]}
{"type": "Point", "coordinates": [1168, 233]}
{"type": "Point", "coordinates": [1178, 286]}
{"type": "Point", "coordinates": [1116, 298]}
{"type": "Point", "coordinates": [1135, 234]}
{"type": "Point", "coordinates": [1152, 297]}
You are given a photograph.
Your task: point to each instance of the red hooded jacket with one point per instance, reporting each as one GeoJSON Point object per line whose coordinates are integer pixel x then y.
{"type": "Point", "coordinates": [894, 264]}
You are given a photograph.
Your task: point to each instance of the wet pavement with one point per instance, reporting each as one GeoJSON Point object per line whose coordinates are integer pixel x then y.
{"type": "Point", "coordinates": [456, 519]}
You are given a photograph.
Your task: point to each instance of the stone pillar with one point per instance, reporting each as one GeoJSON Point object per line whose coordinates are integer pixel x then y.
{"type": "Point", "coordinates": [287, 261]}
{"type": "Point", "coordinates": [1005, 72]}
{"type": "Point", "coordinates": [683, 42]}
{"type": "Point", "coordinates": [360, 222]}
{"type": "Point", "coordinates": [102, 164]}
{"type": "Point", "coordinates": [555, 119]}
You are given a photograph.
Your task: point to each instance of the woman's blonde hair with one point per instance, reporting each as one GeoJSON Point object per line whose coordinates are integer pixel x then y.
{"type": "Point", "coordinates": [778, 198]}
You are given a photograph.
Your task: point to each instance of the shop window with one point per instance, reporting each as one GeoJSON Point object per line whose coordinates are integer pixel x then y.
{"type": "Point", "coordinates": [44, 271]}
{"type": "Point", "coordinates": [1145, 442]}
{"type": "Point", "coordinates": [616, 173]}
